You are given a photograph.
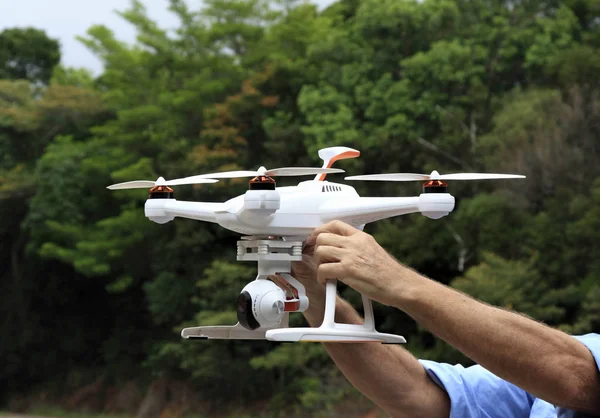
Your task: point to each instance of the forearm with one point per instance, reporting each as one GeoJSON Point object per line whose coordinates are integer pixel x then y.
{"type": "Point", "coordinates": [388, 375]}
{"type": "Point", "coordinates": [545, 362]}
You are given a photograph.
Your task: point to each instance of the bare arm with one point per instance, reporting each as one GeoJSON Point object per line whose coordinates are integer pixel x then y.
{"type": "Point", "coordinates": [387, 374]}
{"type": "Point", "coordinates": [545, 362]}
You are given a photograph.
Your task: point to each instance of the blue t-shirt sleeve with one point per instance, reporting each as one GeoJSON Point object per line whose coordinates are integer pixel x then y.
{"type": "Point", "coordinates": [592, 342]}
{"type": "Point", "coordinates": [476, 393]}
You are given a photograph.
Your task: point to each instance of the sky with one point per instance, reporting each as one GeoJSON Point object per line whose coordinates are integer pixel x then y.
{"type": "Point", "coordinates": [66, 19]}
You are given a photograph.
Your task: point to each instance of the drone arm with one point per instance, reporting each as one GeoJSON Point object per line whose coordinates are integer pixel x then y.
{"type": "Point", "coordinates": [164, 210]}
{"type": "Point", "coordinates": [364, 210]}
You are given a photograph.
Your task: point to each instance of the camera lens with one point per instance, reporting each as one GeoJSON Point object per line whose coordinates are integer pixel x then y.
{"type": "Point", "coordinates": [244, 311]}
{"type": "Point", "coordinates": [241, 304]}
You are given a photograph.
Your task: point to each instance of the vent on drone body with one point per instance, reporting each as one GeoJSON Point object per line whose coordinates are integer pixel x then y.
{"type": "Point", "coordinates": [435, 186]}
{"type": "Point", "coordinates": [262, 183]}
{"type": "Point", "coordinates": [160, 192]}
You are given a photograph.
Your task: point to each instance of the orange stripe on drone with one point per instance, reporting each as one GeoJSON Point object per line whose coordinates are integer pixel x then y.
{"type": "Point", "coordinates": [342, 156]}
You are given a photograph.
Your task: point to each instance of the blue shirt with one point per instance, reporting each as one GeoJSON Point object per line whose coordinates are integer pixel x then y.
{"type": "Point", "coordinates": [477, 393]}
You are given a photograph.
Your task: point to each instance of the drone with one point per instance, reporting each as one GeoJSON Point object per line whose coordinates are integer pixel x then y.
{"type": "Point", "coordinates": [274, 223]}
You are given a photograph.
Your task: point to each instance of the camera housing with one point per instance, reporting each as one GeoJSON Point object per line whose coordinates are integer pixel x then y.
{"type": "Point", "coordinates": [261, 304]}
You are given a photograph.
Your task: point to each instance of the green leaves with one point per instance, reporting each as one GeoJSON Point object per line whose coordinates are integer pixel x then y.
{"type": "Point", "coordinates": [329, 117]}
{"type": "Point", "coordinates": [555, 34]}
{"type": "Point", "coordinates": [514, 285]}
{"type": "Point", "coordinates": [27, 54]}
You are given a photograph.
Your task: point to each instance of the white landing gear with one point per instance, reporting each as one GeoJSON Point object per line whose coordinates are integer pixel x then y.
{"type": "Point", "coordinates": [236, 332]}
{"type": "Point", "coordinates": [263, 307]}
{"type": "Point", "coordinates": [333, 331]}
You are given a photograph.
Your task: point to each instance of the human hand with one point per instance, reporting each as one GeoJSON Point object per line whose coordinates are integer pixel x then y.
{"type": "Point", "coordinates": [305, 271]}
{"type": "Point", "coordinates": [355, 258]}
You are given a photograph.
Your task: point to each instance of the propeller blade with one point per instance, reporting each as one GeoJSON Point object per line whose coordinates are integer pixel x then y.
{"type": "Point", "coordinates": [147, 184]}
{"type": "Point", "coordinates": [284, 171]}
{"type": "Point", "coordinates": [301, 171]}
{"type": "Point", "coordinates": [187, 180]}
{"type": "Point", "coordinates": [226, 175]}
{"type": "Point", "coordinates": [434, 176]}
{"type": "Point", "coordinates": [477, 176]}
{"type": "Point", "coordinates": [137, 184]}
{"type": "Point", "coordinates": [391, 177]}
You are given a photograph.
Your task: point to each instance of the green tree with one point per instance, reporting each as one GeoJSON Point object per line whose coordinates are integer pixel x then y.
{"type": "Point", "coordinates": [28, 54]}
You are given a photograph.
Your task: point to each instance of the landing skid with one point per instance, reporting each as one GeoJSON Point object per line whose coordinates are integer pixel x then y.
{"type": "Point", "coordinates": [236, 332]}
{"type": "Point", "coordinates": [341, 333]}
{"type": "Point", "coordinates": [334, 332]}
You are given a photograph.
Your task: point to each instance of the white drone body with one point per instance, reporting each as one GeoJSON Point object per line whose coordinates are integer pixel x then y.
{"type": "Point", "coordinates": [274, 222]}
{"type": "Point", "coordinates": [295, 211]}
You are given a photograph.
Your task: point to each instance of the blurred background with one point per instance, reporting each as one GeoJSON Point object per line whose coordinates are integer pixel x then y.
{"type": "Point", "coordinates": [94, 295]}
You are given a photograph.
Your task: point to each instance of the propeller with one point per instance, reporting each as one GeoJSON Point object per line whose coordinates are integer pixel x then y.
{"type": "Point", "coordinates": [434, 176]}
{"type": "Point", "coordinates": [262, 171]}
{"type": "Point", "coordinates": [147, 184]}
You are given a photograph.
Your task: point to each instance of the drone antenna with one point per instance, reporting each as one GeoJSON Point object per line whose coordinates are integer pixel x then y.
{"type": "Point", "coordinates": [333, 154]}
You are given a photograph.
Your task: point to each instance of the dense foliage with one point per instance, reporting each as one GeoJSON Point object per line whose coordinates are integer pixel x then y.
{"type": "Point", "coordinates": [93, 290]}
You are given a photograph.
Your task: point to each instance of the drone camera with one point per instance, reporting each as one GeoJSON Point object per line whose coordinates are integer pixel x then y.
{"type": "Point", "coordinates": [261, 304]}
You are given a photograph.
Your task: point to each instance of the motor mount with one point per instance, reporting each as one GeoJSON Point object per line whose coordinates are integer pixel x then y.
{"type": "Point", "coordinates": [161, 192]}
